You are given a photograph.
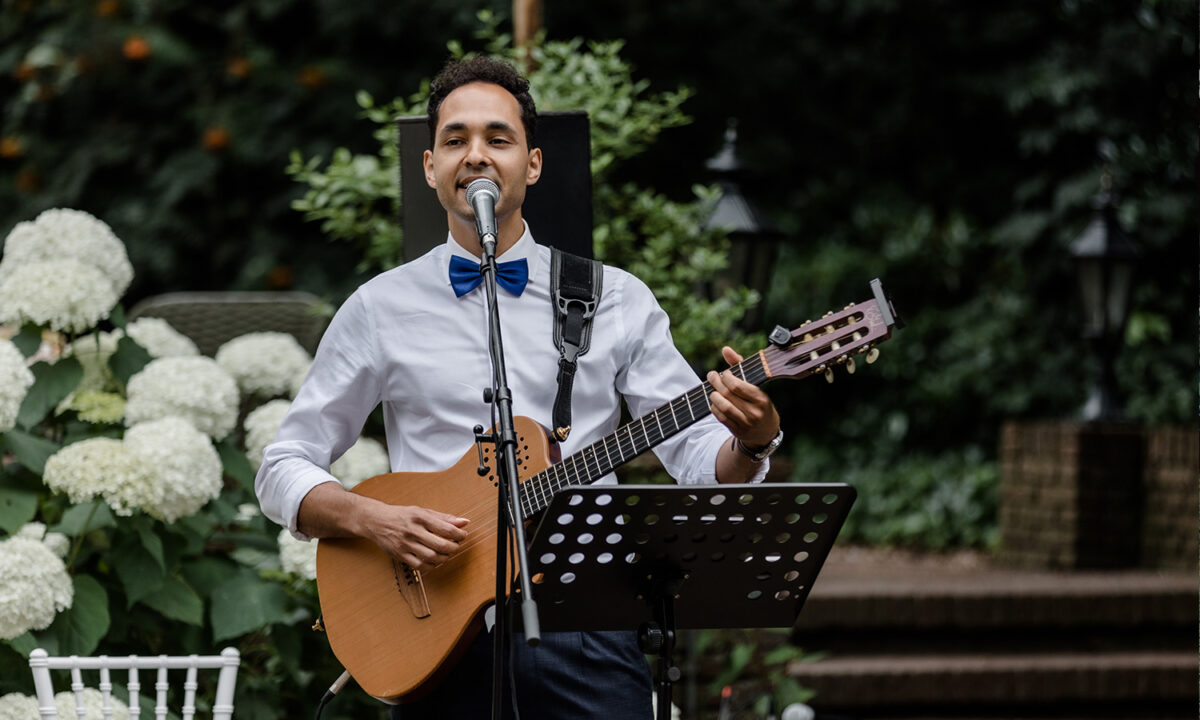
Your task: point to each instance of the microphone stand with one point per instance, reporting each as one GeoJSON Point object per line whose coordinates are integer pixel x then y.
{"type": "Point", "coordinates": [510, 517]}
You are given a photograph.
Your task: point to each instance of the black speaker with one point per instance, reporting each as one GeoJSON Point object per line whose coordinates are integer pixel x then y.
{"type": "Point", "coordinates": [558, 208]}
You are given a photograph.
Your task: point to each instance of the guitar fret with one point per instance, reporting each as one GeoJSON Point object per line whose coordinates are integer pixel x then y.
{"type": "Point", "coordinates": [658, 422]}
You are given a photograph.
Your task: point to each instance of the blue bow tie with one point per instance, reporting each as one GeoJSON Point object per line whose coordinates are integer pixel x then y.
{"type": "Point", "coordinates": [465, 276]}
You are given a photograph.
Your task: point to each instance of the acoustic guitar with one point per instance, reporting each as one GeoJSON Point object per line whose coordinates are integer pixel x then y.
{"type": "Point", "coordinates": [399, 631]}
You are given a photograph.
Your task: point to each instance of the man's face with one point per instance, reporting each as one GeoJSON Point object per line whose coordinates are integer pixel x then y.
{"type": "Point", "coordinates": [479, 134]}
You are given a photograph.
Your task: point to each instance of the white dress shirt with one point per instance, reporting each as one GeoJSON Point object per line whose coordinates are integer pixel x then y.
{"type": "Point", "coordinates": [404, 340]}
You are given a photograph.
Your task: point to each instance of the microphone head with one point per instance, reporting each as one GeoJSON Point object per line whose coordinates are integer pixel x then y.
{"type": "Point", "coordinates": [482, 185]}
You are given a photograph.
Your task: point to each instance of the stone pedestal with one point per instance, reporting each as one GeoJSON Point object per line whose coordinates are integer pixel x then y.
{"type": "Point", "coordinates": [1071, 495]}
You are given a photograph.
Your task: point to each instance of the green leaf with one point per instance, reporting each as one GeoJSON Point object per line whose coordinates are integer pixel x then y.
{"type": "Point", "coordinates": [85, 517]}
{"type": "Point", "coordinates": [29, 450]}
{"type": "Point", "coordinates": [177, 601]}
{"type": "Point", "coordinates": [141, 574]}
{"type": "Point", "coordinates": [25, 644]}
{"type": "Point", "coordinates": [17, 507]}
{"type": "Point", "coordinates": [28, 340]}
{"type": "Point", "coordinates": [117, 316]}
{"type": "Point", "coordinates": [245, 603]}
{"type": "Point", "coordinates": [78, 629]}
{"type": "Point", "coordinates": [151, 541]}
{"type": "Point", "coordinates": [51, 383]}
{"type": "Point", "coordinates": [128, 360]}
{"type": "Point", "coordinates": [235, 464]}
{"type": "Point", "coordinates": [207, 573]}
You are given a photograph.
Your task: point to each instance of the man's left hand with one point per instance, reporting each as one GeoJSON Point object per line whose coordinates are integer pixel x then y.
{"type": "Point", "coordinates": [741, 406]}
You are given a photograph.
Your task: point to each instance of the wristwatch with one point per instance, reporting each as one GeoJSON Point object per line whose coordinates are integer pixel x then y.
{"type": "Point", "coordinates": [762, 453]}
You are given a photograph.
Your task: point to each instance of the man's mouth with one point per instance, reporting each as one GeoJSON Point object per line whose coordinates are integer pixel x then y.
{"type": "Point", "coordinates": [462, 184]}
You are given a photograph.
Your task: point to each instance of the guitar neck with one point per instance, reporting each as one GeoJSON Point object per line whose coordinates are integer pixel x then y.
{"type": "Point", "coordinates": [593, 462]}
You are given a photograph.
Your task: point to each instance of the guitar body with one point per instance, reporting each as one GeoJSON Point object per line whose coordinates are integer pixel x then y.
{"type": "Point", "coordinates": [399, 632]}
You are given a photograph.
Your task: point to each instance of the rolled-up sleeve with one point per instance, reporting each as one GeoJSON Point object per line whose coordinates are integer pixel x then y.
{"type": "Point", "coordinates": [325, 419]}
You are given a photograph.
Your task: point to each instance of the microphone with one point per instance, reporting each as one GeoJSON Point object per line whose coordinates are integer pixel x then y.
{"type": "Point", "coordinates": [482, 195]}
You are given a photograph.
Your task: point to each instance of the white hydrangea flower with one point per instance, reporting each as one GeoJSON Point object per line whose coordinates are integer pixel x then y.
{"type": "Point", "coordinates": [264, 363]}
{"type": "Point", "coordinates": [194, 388]}
{"type": "Point", "coordinates": [261, 425]}
{"type": "Point", "coordinates": [105, 468]}
{"type": "Point", "coordinates": [15, 706]}
{"type": "Point", "coordinates": [15, 379]}
{"type": "Point", "coordinates": [93, 705]}
{"type": "Point", "coordinates": [297, 556]}
{"type": "Point", "coordinates": [32, 530]}
{"type": "Point", "coordinates": [160, 339]}
{"type": "Point", "coordinates": [65, 295]}
{"type": "Point", "coordinates": [246, 512]}
{"type": "Point", "coordinates": [366, 458]}
{"type": "Point", "coordinates": [58, 543]}
{"type": "Point", "coordinates": [34, 586]}
{"type": "Point", "coordinates": [188, 467]}
{"type": "Point", "coordinates": [62, 233]}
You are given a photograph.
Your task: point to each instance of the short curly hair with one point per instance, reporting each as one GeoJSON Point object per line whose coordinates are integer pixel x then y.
{"type": "Point", "coordinates": [481, 68]}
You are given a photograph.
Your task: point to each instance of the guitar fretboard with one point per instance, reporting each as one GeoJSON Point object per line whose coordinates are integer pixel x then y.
{"type": "Point", "coordinates": [593, 462]}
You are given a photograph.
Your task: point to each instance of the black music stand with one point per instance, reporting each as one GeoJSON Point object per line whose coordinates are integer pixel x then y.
{"type": "Point", "coordinates": [665, 557]}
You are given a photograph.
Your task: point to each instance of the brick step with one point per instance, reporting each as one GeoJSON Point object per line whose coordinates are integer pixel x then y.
{"type": "Point", "coordinates": [887, 685]}
{"type": "Point", "coordinates": [876, 595]}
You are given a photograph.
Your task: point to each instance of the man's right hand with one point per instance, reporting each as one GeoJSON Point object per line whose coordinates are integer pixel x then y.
{"type": "Point", "coordinates": [418, 536]}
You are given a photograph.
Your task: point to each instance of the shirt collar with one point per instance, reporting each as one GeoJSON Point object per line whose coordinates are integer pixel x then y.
{"type": "Point", "coordinates": [524, 247]}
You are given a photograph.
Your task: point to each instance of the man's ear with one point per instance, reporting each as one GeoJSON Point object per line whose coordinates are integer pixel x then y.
{"type": "Point", "coordinates": [534, 171]}
{"type": "Point", "coordinates": [427, 161]}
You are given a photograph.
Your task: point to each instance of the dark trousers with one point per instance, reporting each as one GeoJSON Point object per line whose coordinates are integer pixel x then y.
{"type": "Point", "coordinates": [569, 676]}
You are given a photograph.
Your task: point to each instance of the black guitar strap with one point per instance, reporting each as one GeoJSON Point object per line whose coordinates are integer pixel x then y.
{"type": "Point", "coordinates": [575, 284]}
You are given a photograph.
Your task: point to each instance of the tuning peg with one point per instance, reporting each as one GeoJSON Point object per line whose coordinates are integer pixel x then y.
{"type": "Point", "coordinates": [872, 355]}
{"type": "Point", "coordinates": [828, 375]}
{"type": "Point", "coordinates": [850, 366]}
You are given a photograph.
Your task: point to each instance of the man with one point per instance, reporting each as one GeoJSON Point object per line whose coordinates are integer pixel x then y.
{"type": "Point", "coordinates": [406, 339]}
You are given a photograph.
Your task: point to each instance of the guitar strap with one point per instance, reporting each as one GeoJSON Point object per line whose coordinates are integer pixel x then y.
{"type": "Point", "coordinates": [575, 284]}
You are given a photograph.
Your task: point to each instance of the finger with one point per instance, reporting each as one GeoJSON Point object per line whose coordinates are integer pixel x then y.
{"type": "Point", "coordinates": [731, 356]}
{"type": "Point", "coordinates": [737, 387]}
{"type": "Point", "coordinates": [728, 413]}
{"type": "Point", "coordinates": [441, 524]}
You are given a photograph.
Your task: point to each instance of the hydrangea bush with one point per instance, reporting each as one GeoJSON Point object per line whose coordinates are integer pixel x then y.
{"type": "Point", "coordinates": [128, 521]}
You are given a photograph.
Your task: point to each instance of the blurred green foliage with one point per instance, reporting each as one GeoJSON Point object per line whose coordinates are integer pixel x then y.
{"type": "Point", "coordinates": [952, 149]}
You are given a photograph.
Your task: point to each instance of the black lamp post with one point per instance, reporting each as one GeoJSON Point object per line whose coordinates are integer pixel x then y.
{"type": "Point", "coordinates": [1104, 256]}
{"type": "Point", "coordinates": [753, 239]}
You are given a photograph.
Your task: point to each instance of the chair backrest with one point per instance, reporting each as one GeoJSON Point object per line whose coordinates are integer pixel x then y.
{"type": "Point", "coordinates": [227, 663]}
{"type": "Point", "coordinates": [558, 208]}
{"type": "Point", "coordinates": [213, 318]}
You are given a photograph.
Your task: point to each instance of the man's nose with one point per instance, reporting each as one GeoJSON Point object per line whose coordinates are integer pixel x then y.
{"type": "Point", "coordinates": [477, 154]}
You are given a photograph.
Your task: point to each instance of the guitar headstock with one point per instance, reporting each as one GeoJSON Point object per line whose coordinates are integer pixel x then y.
{"type": "Point", "coordinates": [821, 345]}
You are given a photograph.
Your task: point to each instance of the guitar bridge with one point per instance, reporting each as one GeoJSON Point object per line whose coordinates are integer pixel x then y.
{"type": "Point", "coordinates": [408, 582]}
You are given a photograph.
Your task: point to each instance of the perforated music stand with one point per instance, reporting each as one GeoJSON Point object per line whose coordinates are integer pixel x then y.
{"type": "Point", "coordinates": [662, 557]}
